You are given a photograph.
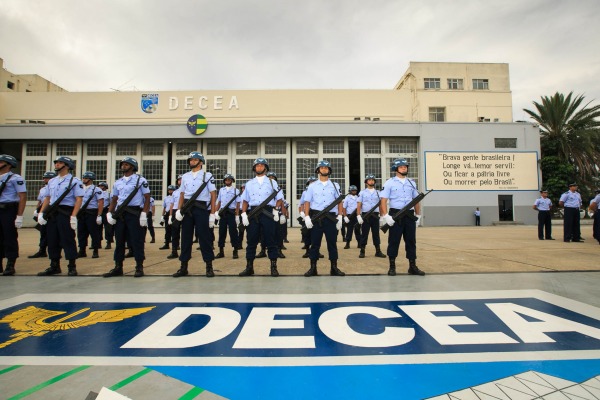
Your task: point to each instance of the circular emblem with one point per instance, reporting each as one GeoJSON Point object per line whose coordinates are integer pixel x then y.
{"type": "Point", "coordinates": [197, 124]}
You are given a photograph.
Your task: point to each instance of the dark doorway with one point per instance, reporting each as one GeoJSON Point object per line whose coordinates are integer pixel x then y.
{"type": "Point", "coordinates": [354, 163]}
{"type": "Point", "coordinates": [505, 207]}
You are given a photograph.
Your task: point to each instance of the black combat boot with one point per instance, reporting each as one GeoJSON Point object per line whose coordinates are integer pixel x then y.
{"type": "Point", "coordinates": [305, 247]}
{"type": "Point", "coordinates": [221, 253]}
{"type": "Point", "coordinates": [347, 246]}
{"type": "Point", "coordinates": [249, 271]}
{"type": "Point", "coordinates": [72, 268]}
{"type": "Point", "coordinates": [378, 252]}
{"type": "Point", "coordinates": [209, 270]}
{"type": "Point", "coordinates": [139, 270]}
{"type": "Point", "coordinates": [280, 254]}
{"type": "Point", "coordinates": [261, 254]}
{"type": "Point", "coordinates": [235, 253]}
{"type": "Point", "coordinates": [153, 240]}
{"type": "Point", "coordinates": [95, 254]}
{"type": "Point", "coordinates": [108, 246]}
{"type": "Point", "coordinates": [362, 252]}
{"type": "Point", "coordinates": [313, 269]}
{"type": "Point", "coordinates": [335, 271]}
{"type": "Point", "coordinates": [274, 271]}
{"type": "Point", "coordinates": [174, 254]}
{"type": "Point", "coordinates": [164, 247]}
{"type": "Point", "coordinates": [81, 253]}
{"type": "Point", "coordinates": [40, 254]}
{"type": "Point", "coordinates": [413, 269]}
{"type": "Point", "coordinates": [116, 271]}
{"type": "Point", "coordinates": [305, 255]}
{"type": "Point", "coordinates": [392, 270]}
{"type": "Point", "coordinates": [10, 268]}
{"type": "Point", "coordinates": [53, 269]}
{"type": "Point", "coordinates": [182, 271]}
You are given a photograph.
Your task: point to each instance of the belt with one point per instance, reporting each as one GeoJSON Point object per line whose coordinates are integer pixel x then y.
{"type": "Point", "coordinates": [8, 205]}
{"type": "Point", "coordinates": [203, 205]}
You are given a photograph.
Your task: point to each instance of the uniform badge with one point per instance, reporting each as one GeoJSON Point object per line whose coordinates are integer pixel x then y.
{"type": "Point", "coordinates": [20, 183]}
{"type": "Point", "coordinates": [145, 184]}
{"type": "Point", "coordinates": [81, 185]}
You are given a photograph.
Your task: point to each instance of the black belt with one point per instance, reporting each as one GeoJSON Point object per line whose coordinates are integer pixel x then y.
{"type": "Point", "coordinates": [203, 205]}
{"type": "Point", "coordinates": [268, 208]}
{"type": "Point", "coordinates": [134, 210]}
{"type": "Point", "coordinates": [8, 205]}
{"type": "Point", "coordinates": [544, 211]}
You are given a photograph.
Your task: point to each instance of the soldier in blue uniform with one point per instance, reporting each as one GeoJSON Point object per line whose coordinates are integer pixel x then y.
{"type": "Point", "coordinates": [41, 253]}
{"type": "Point", "coordinates": [201, 217]}
{"type": "Point", "coordinates": [397, 192]}
{"type": "Point", "coordinates": [62, 223]}
{"type": "Point", "coordinates": [227, 219]}
{"type": "Point", "coordinates": [133, 193]}
{"type": "Point", "coordinates": [319, 196]}
{"type": "Point", "coordinates": [367, 199]}
{"type": "Point", "coordinates": [306, 233]}
{"type": "Point", "coordinates": [349, 208]}
{"type": "Point", "coordinates": [13, 197]}
{"type": "Point", "coordinates": [109, 233]}
{"type": "Point", "coordinates": [282, 223]}
{"type": "Point", "coordinates": [571, 201]}
{"type": "Point", "coordinates": [175, 224]}
{"type": "Point", "coordinates": [543, 205]}
{"type": "Point", "coordinates": [90, 215]}
{"type": "Point", "coordinates": [150, 224]}
{"type": "Point", "coordinates": [258, 190]}
{"type": "Point", "coordinates": [164, 219]}
{"type": "Point", "coordinates": [594, 208]}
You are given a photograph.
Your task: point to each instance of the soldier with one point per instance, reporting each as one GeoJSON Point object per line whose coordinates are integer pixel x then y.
{"type": "Point", "coordinates": [306, 233]}
{"type": "Point", "coordinates": [349, 208]}
{"type": "Point", "coordinates": [13, 197]}
{"type": "Point", "coordinates": [167, 203]}
{"type": "Point", "coordinates": [594, 209]}
{"type": "Point", "coordinates": [283, 215]}
{"type": "Point", "coordinates": [131, 202]}
{"type": "Point", "coordinates": [41, 253]}
{"type": "Point", "coordinates": [228, 217]}
{"type": "Point", "coordinates": [397, 192]}
{"type": "Point", "coordinates": [571, 201]}
{"type": "Point", "coordinates": [109, 233]}
{"type": "Point", "coordinates": [319, 196]}
{"type": "Point", "coordinates": [258, 190]}
{"type": "Point", "coordinates": [200, 219]}
{"type": "Point", "coordinates": [90, 215]}
{"type": "Point", "coordinates": [60, 207]}
{"type": "Point", "coordinates": [367, 199]}
{"type": "Point", "coordinates": [543, 205]}
{"type": "Point", "coordinates": [175, 225]}
{"type": "Point", "coordinates": [150, 227]}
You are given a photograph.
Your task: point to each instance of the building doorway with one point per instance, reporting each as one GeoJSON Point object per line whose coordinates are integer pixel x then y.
{"type": "Point", "coordinates": [354, 164]}
{"type": "Point", "coordinates": [505, 207]}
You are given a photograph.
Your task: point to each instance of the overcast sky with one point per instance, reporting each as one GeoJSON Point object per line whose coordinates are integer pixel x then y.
{"type": "Point", "coordinates": [550, 45]}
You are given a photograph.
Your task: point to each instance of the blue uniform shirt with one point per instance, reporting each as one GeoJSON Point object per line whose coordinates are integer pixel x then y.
{"type": "Point", "coordinates": [189, 185]}
{"type": "Point", "coordinates": [596, 200]}
{"type": "Point", "coordinates": [124, 186]}
{"type": "Point", "coordinates": [399, 194]}
{"type": "Point", "coordinates": [43, 193]}
{"type": "Point", "coordinates": [225, 197]}
{"type": "Point", "coordinates": [167, 201]}
{"type": "Point", "coordinates": [256, 192]}
{"type": "Point", "coordinates": [176, 196]}
{"type": "Point", "coordinates": [96, 194]}
{"type": "Point", "coordinates": [151, 204]}
{"type": "Point", "coordinates": [58, 185]}
{"type": "Point", "coordinates": [14, 186]}
{"type": "Point", "coordinates": [321, 195]}
{"type": "Point", "coordinates": [350, 203]}
{"type": "Point", "coordinates": [571, 199]}
{"type": "Point", "coordinates": [368, 199]}
{"type": "Point", "coordinates": [543, 204]}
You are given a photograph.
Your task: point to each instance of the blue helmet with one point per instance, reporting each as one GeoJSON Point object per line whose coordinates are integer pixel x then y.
{"type": "Point", "coordinates": [89, 175]}
{"type": "Point", "coordinates": [323, 163]}
{"type": "Point", "coordinates": [228, 176]}
{"type": "Point", "coordinates": [103, 184]}
{"type": "Point", "coordinates": [197, 155]}
{"type": "Point", "coordinates": [171, 187]}
{"type": "Point", "coordinates": [272, 174]}
{"type": "Point", "coordinates": [9, 160]}
{"type": "Point", "coordinates": [262, 161]}
{"type": "Point", "coordinates": [49, 175]}
{"type": "Point", "coordinates": [68, 161]}
{"type": "Point", "coordinates": [369, 176]}
{"type": "Point", "coordinates": [399, 162]}
{"type": "Point", "coordinates": [179, 176]}
{"type": "Point", "coordinates": [131, 161]}
{"type": "Point", "coordinates": [353, 188]}
{"type": "Point", "coordinates": [310, 180]}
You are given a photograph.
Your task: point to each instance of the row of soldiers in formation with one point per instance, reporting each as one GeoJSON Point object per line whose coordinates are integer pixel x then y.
{"type": "Point", "coordinates": [68, 205]}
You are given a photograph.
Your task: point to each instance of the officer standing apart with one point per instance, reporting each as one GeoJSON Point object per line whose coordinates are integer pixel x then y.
{"type": "Point", "coordinates": [367, 199]}
{"type": "Point", "coordinates": [150, 223]}
{"type": "Point", "coordinates": [175, 225]}
{"type": "Point", "coordinates": [397, 192]}
{"type": "Point", "coordinates": [66, 192]}
{"type": "Point", "coordinates": [282, 223]}
{"type": "Point", "coordinates": [477, 214]}
{"type": "Point", "coordinates": [164, 219]}
{"type": "Point", "coordinates": [109, 233]}
{"type": "Point", "coordinates": [228, 197]}
{"type": "Point", "coordinates": [133, 193]}
{"type": "Point", "coordinates": [90, 215]}
{"type": "Point", "coordinates": [319, 196]}
{"type": "Point", "coordinates": [594, 208]}
{"type": "Point", "coordinates": [543, 206]}
{"type": "Point", "coordinates": [349, 207]}
{"type": "Point", "coordinates": [571, 201]}
{"type": "Point", "coordinates": [13, 196]}
{"type": "Point", "coordinates": [201, 218]}
{"type": "Point", "coordinates": [258, 190]}
{"type": "Point", "coordinates": [41, 253]}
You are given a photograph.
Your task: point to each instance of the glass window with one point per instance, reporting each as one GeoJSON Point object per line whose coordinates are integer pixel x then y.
{"type": "Point", "coordinates": [97, 149]}
{"type": "Point", "coordinates": [437, 114]}
{"type": "Point", "coordinates": [480, 84]}
{"type": "Point", "coordinates": [217, 167]}
{"type": "Point", "coordinates": [275, 147]}
{"type": "Point", "coordinates": [279, 166]}
{"type": "Point", "coordinates": [247, 148]}
{"type": "Point", "coordinates": [152, 170]}
{"type": "Point", "coordinates": [66, 149]}
{"type": "Point", "coordinates": [243, 167]}
{"type": "Point", "coordinates": [126, 149]}
{"type": "Point", "coordinates": [373, 166]}
{"type": "Point", "coordinates": [307, 147]}
{"type": "Point", "coordinates": [456, 84]}
{"type": "Point", "coordinates": [333, 146]}
{"type": "Point", "coordinates": [305, 168]}
{"type": "Point", "coordinates": [37, 149]}
{"type": "Point", "coordinates": [34, 170]}
{"type": "Point", "coordinates": [337, 174]}
{"type": "Point", "coordinates": [98, 167]}
{"type": "Point", "coordinates": [505, 143]}
{"type": "Point", "coordinates": [153, 149]}
{"type": "Point", "coordinates": [432, 83]}
{"type": "Point", "coordinates": [399, 146]}
{"type": "Point", "coordinates": [181, 167]}
{"type": "Point", "coordinates": [216, 149]}
{"type": "Point", "coordinates": [372, 146]}
{"type": "Point", "coordinates": [183, 149]}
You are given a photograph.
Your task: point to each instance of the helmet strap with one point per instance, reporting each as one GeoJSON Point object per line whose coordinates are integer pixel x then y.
{"type": "Point", "coordinates": [4, 165]}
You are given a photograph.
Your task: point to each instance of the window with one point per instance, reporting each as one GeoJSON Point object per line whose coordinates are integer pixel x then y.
{"type": "Point", "coordinates": [275, 148]}
{"type": "Point", "coordinates": [152, 170]}
{"type": "Point", "coordinates": [36, 149]}
{"type": "Point", "coordinates": [480, 84]}
{"type": "Point", "coordinates": [372, 146]}
{"type": "Point", "coordinates": [34, 169]}
{"type": "Point", "coordinates": [505, 143]}
{"type": "Point", "coordinates": [432, 83]}
{"type": "Point", "coordinates": [97, 149]}
{"type": "Point", "coordinates": [10, 85]}
{"type": "Point", "coordinates": [126, 149]}
{"type": "Point", "coordinates": [437, 114]}
{"type": "Point", "coordinates": [66, 149]}
{"type": "Point", "coordinates": [401, 147]}
{"type": "Point", "coordinates": [456, 84]}
{"type": "Point", "coordinates": [152, 149]}
{"type": "Point", "coordinates": [307, 147]}
{"type": "Point", "coordinates": [183, 149]}
{"type": "Point", "coordinates": [333, 146]}
{"type": "Point", "coordinates": [98, 167]}
{"type": "Point", "coordinates": [247, 148]}
{"type": "Point", "coordinates": [216, 149]}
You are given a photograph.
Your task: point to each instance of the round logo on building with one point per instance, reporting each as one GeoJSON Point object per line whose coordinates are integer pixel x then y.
{"type": "Point", "coordinates": [197, 124]}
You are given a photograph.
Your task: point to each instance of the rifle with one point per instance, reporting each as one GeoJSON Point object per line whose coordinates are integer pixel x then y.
{"type": "Point", "coordinates": [53, 208]}
{"type": "Point", "coordinates": [324, 212]}
{"type": "Point", "coordinates": [118, 213]}
{"type": "Point", "coordinates": [226, 208]}
{"type": "Point", "coordinates": [3, 184]}
{"type": "Point", "coordinates": [85, 206]}
{"type": "Point", "coordinates": [371, 211]}
{"type": "Point", "coordinates": [260, 208]}
{"type": "Point", "coordinates": [404, 211]}
{"type": "Point", "coordinates": [187, 206]}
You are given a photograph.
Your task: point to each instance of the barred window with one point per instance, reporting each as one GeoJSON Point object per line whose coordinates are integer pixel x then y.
{"type": "Point", "coordinates": [505, 143]}
{"type": "Point", "coordinates": [66, 149]}
{"type": "Point", "coordinates": [99, 167]}
{"type": "Point", "coordinates": [34, 170]}
{"type": "Point", "coordinates": [333, 146]}
{"type": "Point", "coordinates": [153, 149]}
{"type": "Point", "coordinates": [373, 166]}
{"type": "Point", "coordinates": [480, 84]}
{"type": "Point", "coordinates": [152, 170]}
{"type": "Point", "coordinates": [118, 173]}
{"type": "Point", "coordinates": [401, 146]}
{"type": "Point", "coordinates": [246, 148]}
{"type": "Point", "coordinates": [275, 147]}
{"type": "Point", "coordinates": [37, 149]}
{"type": "Point", "coordinates": [456, 84]}
{"type": "Point", "coordinates": [372, 146]}
{"type": "Point", "coordinates": [126, 149]}
{"type": "Point", "coordinates": [181, 167]}
{"type": "Point", "coordinates": [183, 149]}
{"type": "Point", "coordinates": [337, 174]}
{"type": "Point", "coordinates": [97, 149]}
{"type": "Point", "coordinates": [437, 114]}
{"type": "Point", "coordinates": [244, 173]}
{"type": "Point", "coordinates": [217, 167]}
{"type": "Point", "coordinates": [305, 168]}
{"type": "Point", "coordinates": [307, 147]}
{"type": "Point", "coordinates": [279, 166]}
{"type": "Point", "coordinates": [432, 83]}
{"type": "Point", "coordinates": [216, 149]}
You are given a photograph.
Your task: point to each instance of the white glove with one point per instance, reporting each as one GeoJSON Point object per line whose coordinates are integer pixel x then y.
{"type": "Point", "coordinates": [35, 213]}
{"type": "Point", "coordinates": [19, 221]}
{"type": "Point", "coordinates": [282, 219]}
{"type": "Point", "coordinates": [170, 220]}
{"type": "Point", "coordinates": [359, 219]}
{"type": "Point", "coordinates": [275, 215]}
{"type": "Point", "coordinates": [211, 220]}
{"type": "Point", "coordinates": [217, 216]}
{"type": "Point", "coordinates": [302, 214]}
{"type": "Point", "coordinates": [237, 219]}
{"type": "Point", "coordinates": [346, 220]}
{"type": "Point", "coordinates": [99, 220]}
{"type": "Point", "coordinates": [245, 219]}
{"type": "Point", "coordinates": [109, 219]}
{"type": "Point", "coordinates": [389, 220]}
{"type": "Point", "coordinates": [338, 225]}
{"type": "Point", "coordinates": [73, 222]}
{"type": "Point", "coordinates": [308, 222]}
{"type": "Point", "coordinates": [418, 221]}
{"type": "Point", "coordinates": [41, 219]}
{"type": "Point", "coordinates": [143, 219]}
{"type": "Point", "coordinates": [178, 216]}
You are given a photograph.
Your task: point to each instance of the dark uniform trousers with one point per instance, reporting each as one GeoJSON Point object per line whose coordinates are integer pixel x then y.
{"type": "Point", "coordinates": [43, 235]}
{"type": "Point", "coordinates": [60, 235]}
{"type": "Point", "coordinates": [572, 230]}
{"type": "Point", "coordinates": [544, 224]}
{"type": "Point", "coordinates": [406, 228]}
{"type": "Point", "coordinates": [352, 227]}
{"type": "Point", "coordinates": [175, 233]}
{"type": "Point", "coordinates": [168, 229]}
{"type": "Point", "coordinates": [196, 224]}
{"type": "Point", "coordinates": [109, 230]}
{"type": "Point", "coordinates": [9, 244]}
{"type": "Point", "coordinates": [128, 229]}
{"type": "Point", "coordinates": [86, 226]}
{"type": "Point", "coordinates": [370, 224]}
{"type": "Point", "coordinates": [227, 222]}
{"type": "Point", "coordinates": [325, 226]}
{"type": "Point", "coordinates": [596, 227]}
{"type": "Point", "coordinates": [266, 226]}
{"type": "Point", "coordinates": [150, 227]}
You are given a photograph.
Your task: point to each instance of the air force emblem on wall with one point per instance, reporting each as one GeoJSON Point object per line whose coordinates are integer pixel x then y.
{"type": "Point", "coordinates": [149, 102]}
